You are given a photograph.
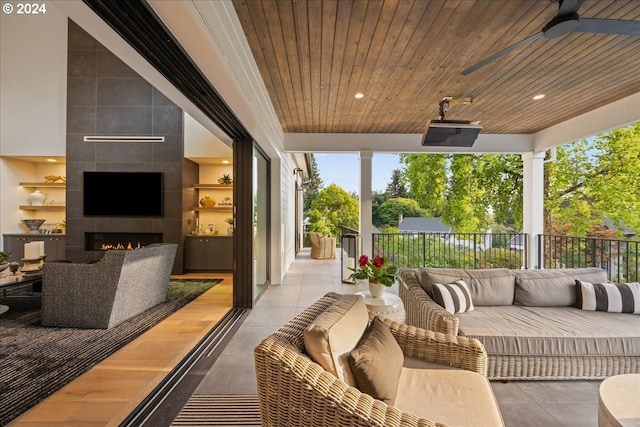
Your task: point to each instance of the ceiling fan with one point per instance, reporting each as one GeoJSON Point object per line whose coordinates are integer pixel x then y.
{"type": "Point", "coordinates": [566, 21]}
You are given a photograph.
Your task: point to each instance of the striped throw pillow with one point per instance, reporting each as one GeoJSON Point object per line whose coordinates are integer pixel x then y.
{"type": "Point", "coordinates": [610, 297]}
{"type": "Point", "coordinates": [454, 297]}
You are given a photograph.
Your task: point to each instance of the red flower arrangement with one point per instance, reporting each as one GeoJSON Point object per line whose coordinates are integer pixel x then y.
{"type": "Point", "coordinates": [376, 270]}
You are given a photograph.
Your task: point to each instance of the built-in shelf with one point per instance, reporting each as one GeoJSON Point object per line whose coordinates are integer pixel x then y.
{"type": "Point", "coordinates": [44, 184]}
{"type": "Point", "coordinates": [42, 207]}
{"type": "Point", "coordinates": [214, 209]}
{"type": "Point", "coordinates": [216, 186]}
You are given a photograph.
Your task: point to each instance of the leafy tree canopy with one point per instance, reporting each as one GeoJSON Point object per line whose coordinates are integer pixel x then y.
{"type": "Point", "coordinates": [390, 211]}
{"type": "Point", "coordinates": [314, 185]}
{"type": "Point", "coordinates": [596, 178]}
{"type": "Point", "coordinates": [397, 187]}
{"type": "Point", "coordinates": [331, 209]}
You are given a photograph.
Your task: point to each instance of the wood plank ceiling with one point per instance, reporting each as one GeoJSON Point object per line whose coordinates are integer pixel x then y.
{"type": "Point", "coordinates": [404, 56]}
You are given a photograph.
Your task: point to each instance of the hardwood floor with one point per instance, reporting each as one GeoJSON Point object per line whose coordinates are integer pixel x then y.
{"type": "Point", "coordinates": [110, 391]}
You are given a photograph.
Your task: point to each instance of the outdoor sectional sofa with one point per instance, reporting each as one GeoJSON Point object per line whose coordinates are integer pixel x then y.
{"type": "Point", "coordinates": [528, 322]}
{"type": "Point", "coordinates": [336, 365]}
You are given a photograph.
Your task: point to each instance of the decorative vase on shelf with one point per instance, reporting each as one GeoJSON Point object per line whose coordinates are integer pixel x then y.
{"type": "Point", "coordinates": [37, 198]}
{"type": "Point", "coordinates": [376, 289]}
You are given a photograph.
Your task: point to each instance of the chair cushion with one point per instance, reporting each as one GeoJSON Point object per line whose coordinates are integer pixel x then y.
{"type": "Point", "coordinates": [376, 363]}
{"type": "Point", "coordinates": [553, 288]}
{"type": "Point", "coordinates": [334, 333]}
{"type": "Point", "coordinates": [454, 297]}
{"type": "Point", "coordinates": [609, 297]}
{"type": "Point", "coordinates": [448, 396]}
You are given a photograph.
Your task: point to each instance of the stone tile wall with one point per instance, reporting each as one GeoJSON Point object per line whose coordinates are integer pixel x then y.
{"type": "Point", "coordinates": [106, 97]}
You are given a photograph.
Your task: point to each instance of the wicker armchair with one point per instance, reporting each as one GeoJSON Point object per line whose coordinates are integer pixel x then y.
{"type": "Point", "coordinates": [295, 391]}
{"type": "Point", "coordinates": [322, 247]}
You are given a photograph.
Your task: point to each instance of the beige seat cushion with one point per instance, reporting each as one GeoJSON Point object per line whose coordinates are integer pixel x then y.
{"type": "Point", "coordinates": [553, 288]}
{"type": "Point", "coordinates": [552, 331]}
{"type": "Point", "coordinates": [334, 333]}
{"type": "Point", "coordinates": [450, 396]}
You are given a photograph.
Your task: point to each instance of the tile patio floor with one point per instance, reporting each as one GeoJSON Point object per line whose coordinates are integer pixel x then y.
{"type": "Point", "coordinates": [522, 403]}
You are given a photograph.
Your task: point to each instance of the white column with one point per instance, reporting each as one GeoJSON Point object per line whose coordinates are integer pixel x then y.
{"type": "Point", "coordinates": [366, 158]}
{"type": "Point", "coordinates": [533, 201]}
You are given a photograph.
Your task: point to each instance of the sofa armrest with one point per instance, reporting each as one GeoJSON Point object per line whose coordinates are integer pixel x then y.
{"type": "Point", "coordinates": [445, 349]}
{"type": "Point", "coordinates": [294, 391]}
{"type": "Point", "coordinates": [422, 311]}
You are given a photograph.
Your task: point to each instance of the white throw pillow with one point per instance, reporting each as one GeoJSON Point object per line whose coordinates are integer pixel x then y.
{"type": "Point", "coordinates": [610, 297]}
{"type": "Point", "coordinates": [454, 297]}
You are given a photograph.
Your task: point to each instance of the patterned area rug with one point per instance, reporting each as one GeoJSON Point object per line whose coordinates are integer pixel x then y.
{"type": "Point", "coordinates": [36, 361]}
{"type": "Point", "coordinates": [219, 410]}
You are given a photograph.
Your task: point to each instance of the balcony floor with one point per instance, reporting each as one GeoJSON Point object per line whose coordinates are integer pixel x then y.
{"type": "Point", "coordinates": [106, 394]}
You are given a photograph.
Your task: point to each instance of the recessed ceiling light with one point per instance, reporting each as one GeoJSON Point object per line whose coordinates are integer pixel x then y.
{"type": "Point", "coordinates": [359, 95]}
{"type": "Point", "coordinates": [51, 160]}
{"type": "Point", "coordinates": [539, 96]}
{"type": "Point", "coordinates": [226, 162]}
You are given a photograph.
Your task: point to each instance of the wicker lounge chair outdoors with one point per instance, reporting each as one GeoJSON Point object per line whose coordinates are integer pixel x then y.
{"type": "Point", "coordinates": [293, 390]}
{"type": "Point", "coordinates": [322, 247]}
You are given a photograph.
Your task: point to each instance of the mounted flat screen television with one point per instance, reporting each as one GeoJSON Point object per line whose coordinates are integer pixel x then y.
{"type": "Point", "coordinates": [123, 193]}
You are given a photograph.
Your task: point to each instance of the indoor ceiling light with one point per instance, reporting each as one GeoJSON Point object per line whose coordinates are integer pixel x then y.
{"type": "Point", "coordinates": [539, 96]}
{"type": "Point", "coordinates": [51, 160]}
{"type": "Point", "coordinates": [359, 95]}
{"type": "Point", "coordinates": [226, 162]}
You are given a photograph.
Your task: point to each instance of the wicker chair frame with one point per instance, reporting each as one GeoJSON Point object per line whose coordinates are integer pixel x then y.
{"type": "Point", "coordinates": [295, 391]}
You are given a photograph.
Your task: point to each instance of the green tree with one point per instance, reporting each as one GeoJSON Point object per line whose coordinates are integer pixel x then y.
{"type": "Point", "coordinates": [397, 187]}
{"type": "Point", "coordinates": [377, 199]}
{"type": "Point", "coordinates": [427, 178]}
{"type": "Point", "coordinates": [391, 210]}
{"type": "Point", "coordinates": [331, 209]}
{"type": "Point", "coordinates": [595, 178]}
{"type": "Point", "coordinates": [313, 186]}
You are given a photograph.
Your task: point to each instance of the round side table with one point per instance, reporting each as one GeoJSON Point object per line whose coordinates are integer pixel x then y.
{"type": "Point", "coordinates": [619, 401]}
{"type": "Point", "coordinates": [389, 306]}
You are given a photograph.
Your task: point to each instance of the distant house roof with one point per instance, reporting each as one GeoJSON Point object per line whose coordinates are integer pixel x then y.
{"type": "Point", "coordinates": [425, 225]}
{"type": "Point", "coordinates": [626, 231]}
{"type": "Point", "coordinates": [375, 230]}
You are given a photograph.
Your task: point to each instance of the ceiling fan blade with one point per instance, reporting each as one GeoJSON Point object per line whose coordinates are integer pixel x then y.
{"type": "Point", "coordinates": [569, 6]}
{"type": "Point", "coordinates": [609, 26]}
{"type": "Point", "coordinates": [502, 53]}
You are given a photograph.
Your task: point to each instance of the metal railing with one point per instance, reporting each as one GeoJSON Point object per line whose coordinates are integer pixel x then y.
{"type": "Point", "coordinates": [453, 250]}
{"type": "Point", "coordinates": [620, 258]}
{"type": "Point", "coordinates": [349, 252]}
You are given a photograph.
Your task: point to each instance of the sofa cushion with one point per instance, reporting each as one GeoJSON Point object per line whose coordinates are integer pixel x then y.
{"type": "Point", "coordinates": [454, 297]}
{"type": "Point", "coordinates": [553, 288]}
{"type": "Point", "coordinates": [376, 363]}
{"type": "Point", "coordinates": [609, 297]}
{"type": "Point", "coordinates": [448, 396]}
{"type": "Point", "coordinates": [493, 286]}
{"type": "Point", "coordinates": [334, 333]}
{"type": "Point", "coordinates": [552, 331]}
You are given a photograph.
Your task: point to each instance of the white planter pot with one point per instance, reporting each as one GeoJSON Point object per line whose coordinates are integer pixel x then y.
{"type": "Point", "coordinates": [376, 289]}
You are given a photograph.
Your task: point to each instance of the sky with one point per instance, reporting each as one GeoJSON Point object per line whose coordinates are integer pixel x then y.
{"type": "Point", "coordinates": [344, 170]}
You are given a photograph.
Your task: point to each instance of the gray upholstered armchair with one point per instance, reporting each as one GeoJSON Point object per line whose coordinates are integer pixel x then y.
{"type": "Point", "coordinates": [104, 294]}
{"type": "Point", "coordinates": [322, 247]}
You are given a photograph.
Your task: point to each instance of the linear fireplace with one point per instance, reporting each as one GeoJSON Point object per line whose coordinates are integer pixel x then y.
{"type": "Point", "coordinates": [109, 241]}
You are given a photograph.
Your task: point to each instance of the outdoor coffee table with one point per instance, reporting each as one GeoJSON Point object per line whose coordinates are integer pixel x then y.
{"type": "Point", "coordinates": [619, 402]}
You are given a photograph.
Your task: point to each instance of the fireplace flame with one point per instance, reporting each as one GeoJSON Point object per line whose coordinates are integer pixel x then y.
{"type": "Point", "coordinates": [120, 247]}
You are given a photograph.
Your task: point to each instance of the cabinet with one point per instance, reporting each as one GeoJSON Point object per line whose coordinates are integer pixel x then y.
{"type": "Point", "coordinates": [54, 245]}
{"type": "Point", "coordinates": [209, 253]}
{"type": "Point", "coordinates": [43, 185]}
